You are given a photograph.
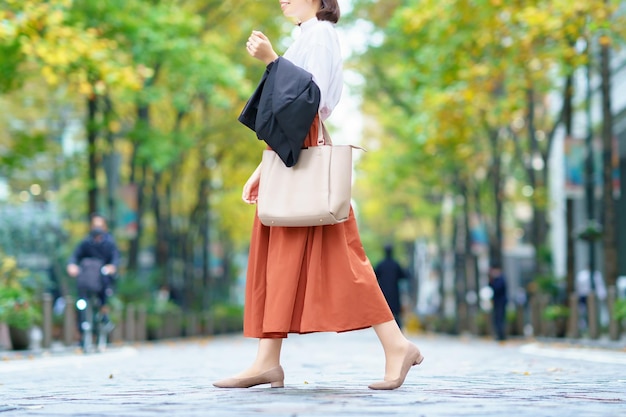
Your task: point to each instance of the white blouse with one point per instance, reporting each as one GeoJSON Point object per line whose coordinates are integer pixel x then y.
{"type": "Point", "coordinates": [317, 50]}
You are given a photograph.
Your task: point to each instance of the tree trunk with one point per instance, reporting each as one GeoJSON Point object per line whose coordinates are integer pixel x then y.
{"type": "Point", "coordinates": [204, 195]}
{"type": "Point", "coordinates": [469, 266]}
{"type": "Point", "coordinates": [92, 134]}
{"type": "Point", "coordinates": [143, 121]}
{"type": "Point", "coordinates": [609, 219]}
{"type": "Point", "coordinates": [190, 280]}
{"type": "Point", "coordinates": [143, 125]}
{"type": "Point", "coordinates": [134, 247]}
{"type": "Point", "coordinates": [170, 235]}
{"type": "Point", "coordinates": [439, 262]}
{"type": "Point", "coordinates": [495, 175]}
{"type": "Point", "coordinates": [568, 116]}
{"type": "Point", "coordinates": [532, 177]}
{"type": "Point", "coordinates": [224, 285]}
{"type": "Point", "coordinates": [538, 184]}
{"type": "Point", "coordinates": [111, 165]}
{"type": "Point", "coordinates": [459, 273]}
{"type": "Point", "coordinates": [590, 186]}
{"type": "Point", "coordinates": [203, 223]}
{"type": "Point", "coordinates": [161, 247]}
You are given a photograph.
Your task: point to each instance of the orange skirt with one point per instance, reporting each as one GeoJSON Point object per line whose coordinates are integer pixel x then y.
{"type": "Point", "coordinates": [310, 279]}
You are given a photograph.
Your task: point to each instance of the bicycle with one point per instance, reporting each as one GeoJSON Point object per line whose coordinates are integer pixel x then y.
{"type": "Point", "coordinates": [93, 290]}
{"type": "Point", "coordinates": [93, 323]}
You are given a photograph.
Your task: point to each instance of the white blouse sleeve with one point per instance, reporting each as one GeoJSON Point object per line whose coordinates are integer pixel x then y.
{"type": "Point", "coordinates": [319, 65]}
{"type": "Point", "coordinates": [318, 52]}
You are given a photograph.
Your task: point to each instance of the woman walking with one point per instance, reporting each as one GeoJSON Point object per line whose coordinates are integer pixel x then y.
{"type": "Point", "coordinates": [318, 278]}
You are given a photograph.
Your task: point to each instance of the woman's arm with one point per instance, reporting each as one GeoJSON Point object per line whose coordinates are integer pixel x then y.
{"type": "Point", "coordinates": [251, 188]}
{"type": "Point", "coordinates": [260, 47]}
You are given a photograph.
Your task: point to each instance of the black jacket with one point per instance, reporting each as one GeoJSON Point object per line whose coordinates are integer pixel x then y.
{"type": "Point", "coordinates": [104, 250]}
{"type": "Point", "coordinates": [498, 285]}
{"type": "Point", "coordinates": [389, 273]}
{"type": "Point", "coordinates": [282, 108]}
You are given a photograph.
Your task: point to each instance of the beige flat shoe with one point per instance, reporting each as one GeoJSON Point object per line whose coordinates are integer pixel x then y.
{"type": "Point", "coordinates": [275, 377]}
{"type": "Point", "coordinates": [412, 357]}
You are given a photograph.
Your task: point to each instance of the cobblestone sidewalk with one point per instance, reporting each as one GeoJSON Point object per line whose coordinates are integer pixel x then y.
{"type": "Point", "coordinates": [326, 375]}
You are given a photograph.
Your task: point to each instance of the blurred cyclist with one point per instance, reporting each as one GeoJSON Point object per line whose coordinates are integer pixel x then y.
{"type": "Point", "coordinates": [94, 264]}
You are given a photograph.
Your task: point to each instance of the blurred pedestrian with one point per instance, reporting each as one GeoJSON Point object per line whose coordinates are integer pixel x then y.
{"type": "Point", "coordinates": [94, 264]}
{"type": "Point", "coordinates": [389, 274]}
{"type": "Point", "coordinates": [497, 282]}
{"type": "Point", "coordinates": [318, 278]}
{"type": "Point", "coordinates": [583, 289]}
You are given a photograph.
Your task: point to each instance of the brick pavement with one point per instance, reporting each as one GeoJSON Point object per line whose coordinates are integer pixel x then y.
{"type": "Point", "coordinates": [326, 375]}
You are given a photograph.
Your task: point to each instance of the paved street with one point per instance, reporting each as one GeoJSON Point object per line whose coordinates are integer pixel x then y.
{"type": "Point", "coordinates": [326, 375]}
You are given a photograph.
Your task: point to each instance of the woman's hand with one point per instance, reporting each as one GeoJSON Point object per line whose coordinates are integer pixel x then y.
{"type": "Point", "coordinates": [260, 47]}
{"type": "Point", "coordinates": [251, 188]}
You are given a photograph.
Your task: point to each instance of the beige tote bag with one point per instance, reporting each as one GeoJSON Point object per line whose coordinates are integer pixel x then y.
{"type": "Point", "coordinates": [314, 192]}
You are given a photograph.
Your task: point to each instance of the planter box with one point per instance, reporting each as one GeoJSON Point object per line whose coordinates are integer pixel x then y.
{"type": "Point", "coordinates": [20, 338]}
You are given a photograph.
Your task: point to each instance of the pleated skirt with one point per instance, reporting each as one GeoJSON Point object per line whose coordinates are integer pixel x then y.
{"type": "Point", "coordinates": [310, 279]}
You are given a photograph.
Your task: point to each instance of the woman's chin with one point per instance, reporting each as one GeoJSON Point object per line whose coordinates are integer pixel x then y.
{"type": "Point", "coordinates": [293, 19]}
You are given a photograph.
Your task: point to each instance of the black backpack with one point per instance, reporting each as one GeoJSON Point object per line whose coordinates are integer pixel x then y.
{"type": "Point", "coordinates": [90, 276]}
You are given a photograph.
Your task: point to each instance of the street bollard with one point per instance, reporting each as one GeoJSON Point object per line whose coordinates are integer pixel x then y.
{"type": "Point", "coordinates": [462, 317]}
{"type": "Point", "coordinates": [486, 317]}
{"type": "Point", "coordinates": [169, 325]}
{"type": "Point", "coordinates": [129, 323]}
{"type": "Point", "coordinates": [208, 329]}
{"type": "Point", "coordinates": [614, 328]}
{"type": "Point", "coordinates": [141, 333]}
{"type": "Point", "coordinates": [47, 320]}
{"type": "Point", "coordinates": [191, 325]}
{"type": "Point", "coordinates": [117, 335]}
{"type": "Point", "coordinates": [535, 314]}
{"type": "Point", "coordinates": [545, 327]}
{"type": "Point", "coordinates": [5, 337]}
{"type": "Point", "coordinates": [175, 325]}
{"type": "Point", "coordinates": [69, 322]}
{"type": "Point", "coordinates": [573, 319]}
{"type": "Point", "coordinates": [538, 303]}
{"type": "Point", "coordinates": [472, 320]}
{"type": "Point", "coordinates": [592, 315]}
{"type": "Point", "coordinates": [519, 319]}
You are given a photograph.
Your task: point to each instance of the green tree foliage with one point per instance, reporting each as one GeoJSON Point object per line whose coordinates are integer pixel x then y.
{"type": "Point", "coordinates": [160, 85]}
{"type": "Point", "coordinates": [461, 90]}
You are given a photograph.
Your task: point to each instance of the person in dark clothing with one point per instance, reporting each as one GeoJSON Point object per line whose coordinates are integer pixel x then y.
{"type": "Point", "coordinates": [497, 282]}
{"type": "Point", "coordinates": [99, 249]}
{"type": "Point", "coordinates": [389, 273]}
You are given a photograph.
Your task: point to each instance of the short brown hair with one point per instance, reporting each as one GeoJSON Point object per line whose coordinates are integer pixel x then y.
{"type": "Point", "coordinates": [329, 10]}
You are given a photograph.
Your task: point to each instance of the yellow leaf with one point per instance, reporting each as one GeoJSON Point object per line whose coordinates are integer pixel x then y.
{"type": "Point", "coordinates": [115, 126]}
{"type": "Point", "coordinates": [85, 88]}
{"type": "Point", "coordinates": [50, 76]}
{"type": "Point", "coordinates": [55, 17]}
{"type": "Point", "coordinates": [604, 40]}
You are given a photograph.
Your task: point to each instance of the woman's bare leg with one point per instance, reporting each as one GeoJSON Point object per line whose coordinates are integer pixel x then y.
{"type": "Point", "coordinates": [395, 345]}
{"type": "Point", "coordinates": [267, 357]}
